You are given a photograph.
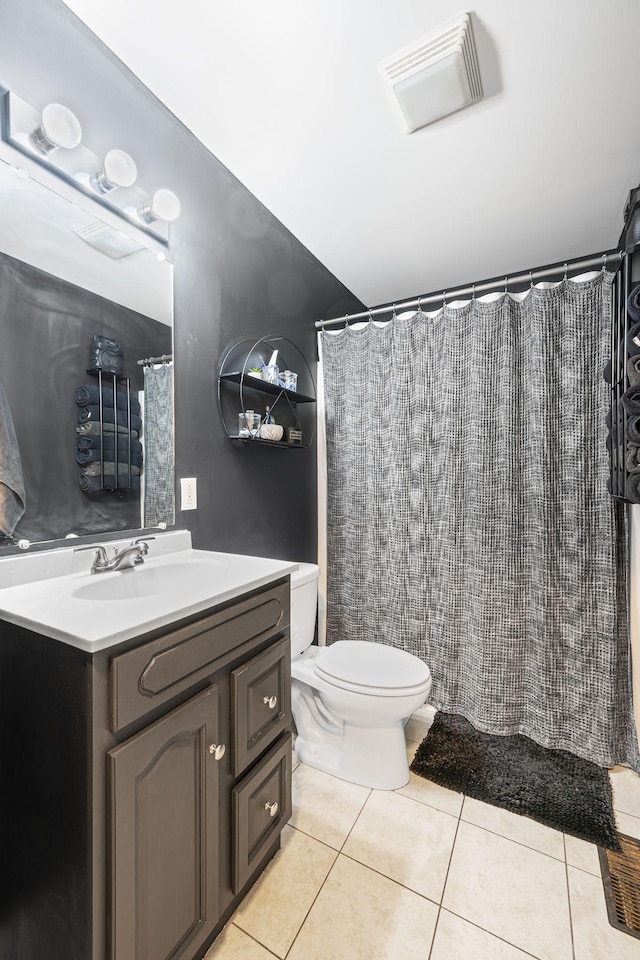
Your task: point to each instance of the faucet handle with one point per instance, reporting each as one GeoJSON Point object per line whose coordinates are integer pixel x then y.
{"type": "Point", "coordinates": [142, 542]}
{"type": "Point", "coordinates": [143, 547]}
{"type": "Point", "coordinates": [101, 560]}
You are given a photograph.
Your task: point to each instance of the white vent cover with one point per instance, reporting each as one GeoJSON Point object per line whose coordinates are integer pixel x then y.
{"type": "Point", "coordinates": [436, 76]}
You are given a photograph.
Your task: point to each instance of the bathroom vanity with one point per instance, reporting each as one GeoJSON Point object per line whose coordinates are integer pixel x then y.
{"type": "Point", "coordinates": [145, 769]}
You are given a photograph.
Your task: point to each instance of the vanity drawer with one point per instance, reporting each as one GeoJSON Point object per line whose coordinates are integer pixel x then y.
{"type": "Point", "coordinates": [260, 703]}
{"type": "Point", "coordinates": [151, 674]}
{"type": "Point", "coordinates": [261, 808]}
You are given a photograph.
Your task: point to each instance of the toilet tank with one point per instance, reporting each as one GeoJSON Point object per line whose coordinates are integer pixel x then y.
{"type": "Point", "coordinates": [304, 605]}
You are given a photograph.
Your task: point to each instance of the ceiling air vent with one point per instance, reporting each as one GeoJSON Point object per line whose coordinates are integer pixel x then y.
{"type": "Point", "coordinates": [436, 76]}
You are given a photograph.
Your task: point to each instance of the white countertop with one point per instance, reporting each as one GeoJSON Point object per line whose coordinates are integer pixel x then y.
{"type": "Point", "coordinates": [46, 592]}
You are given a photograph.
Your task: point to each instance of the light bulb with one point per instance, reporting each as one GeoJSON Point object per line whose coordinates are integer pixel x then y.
{"type": "Point", "coordinates": [59, 127]}
{"type": "Point", "coordinates": [164, 205]}
{"type": "Point", "coordinates": [119, 171]}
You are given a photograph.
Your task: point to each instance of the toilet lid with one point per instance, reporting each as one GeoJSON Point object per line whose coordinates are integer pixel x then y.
{"type": "Point", "coordinates": [365, 664]}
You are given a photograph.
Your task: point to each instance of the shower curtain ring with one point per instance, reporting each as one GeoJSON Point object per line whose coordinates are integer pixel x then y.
{"type": "Point", "coordinates": [565, 272]}
{"type": "Point", "coordinates": [419, 305]}
{"type": "Point", "coordinates": [394, 312]}
{"type": "Point", "coordinates": [444, 298]}
{"type": "Point", "coordinates": [473, 291]}
{"type": "Point", "coordinates": [370, 316]}
{"type": "Point", "coordinates": [506, 286]}
{"type": "Point", "coordinates": [604, 262]}
{"type": "Point", "coordinates": [530, 280]}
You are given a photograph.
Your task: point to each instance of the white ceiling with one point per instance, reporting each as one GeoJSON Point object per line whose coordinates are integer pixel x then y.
{"type": "Point", "coordinates": [287, 94]}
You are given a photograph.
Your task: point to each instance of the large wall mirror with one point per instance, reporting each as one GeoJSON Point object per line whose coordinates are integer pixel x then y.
{"type": "Point", "coordinates": [67, 274]}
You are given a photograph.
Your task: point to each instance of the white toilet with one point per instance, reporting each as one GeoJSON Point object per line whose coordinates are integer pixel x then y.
{"type": "Point", "coordinates": [351, 700]}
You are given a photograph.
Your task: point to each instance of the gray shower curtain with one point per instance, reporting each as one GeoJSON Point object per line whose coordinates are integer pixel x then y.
{"type": "Point", "coordinates": [159, 506]}
{"type": "Point", "coordinates": [468, 516]}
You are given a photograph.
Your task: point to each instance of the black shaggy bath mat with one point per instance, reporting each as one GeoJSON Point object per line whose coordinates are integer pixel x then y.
{"type": "Point", "coordinates": [551, 786]}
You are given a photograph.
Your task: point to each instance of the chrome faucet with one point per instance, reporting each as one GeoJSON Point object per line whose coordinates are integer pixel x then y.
{"type": "Point", "coordinates": [122, 559]}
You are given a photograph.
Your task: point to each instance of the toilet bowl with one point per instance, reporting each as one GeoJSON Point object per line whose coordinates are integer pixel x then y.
{"type": "Point", "coordinates": [350, 701]}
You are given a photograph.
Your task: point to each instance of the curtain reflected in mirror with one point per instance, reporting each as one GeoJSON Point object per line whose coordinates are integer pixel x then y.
{"type": "Point", "coordinates": [158, 500]}
{"type": "Point", "coordinates": [12, 493]}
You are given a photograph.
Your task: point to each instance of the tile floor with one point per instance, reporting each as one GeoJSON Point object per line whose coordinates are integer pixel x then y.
{"type": "Point", "coordinates": [423, 873]}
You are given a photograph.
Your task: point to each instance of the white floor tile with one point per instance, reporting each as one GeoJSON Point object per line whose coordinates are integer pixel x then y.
{"type": "Point", "coordinates": [626, 790]}
{"type": "Point", "coordinates": [420, 723]}
{"type": "Point", "coordinates": [594, 937]}
{"type": "Point", "coordinates": [407, 841]}
{"type": "Point", "coordinates": [510, 890]}
{"type": "Point", "coordinates": [582, 855]}
{"type": "Point", "coordinates": [360, 915]}
{"type": "Point", "coordinates": [514, 826]}
{"type": "Point", "coordinates": [628, 825]}
{"type": "Point", "coordinates": [233, 944]}
{"type": "Point", "coordinates": [276, 908]}
{"type": "Point", "coordinates": [456, 939]}
{"type": "Point", "coordinates": [323, 806]}
{"type": "Point", "coordinates": [426, 791]}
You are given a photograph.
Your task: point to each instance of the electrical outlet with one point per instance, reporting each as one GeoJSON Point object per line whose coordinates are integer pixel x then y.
{"type": "Point", "coordinates": [188, 493]}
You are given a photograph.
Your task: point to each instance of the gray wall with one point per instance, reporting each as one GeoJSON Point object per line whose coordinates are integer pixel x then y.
{"type": "Point", "coordinates": [238, 273]}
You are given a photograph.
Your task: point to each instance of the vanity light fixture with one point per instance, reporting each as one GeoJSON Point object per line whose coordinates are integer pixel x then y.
{"type": "Point", "coordinates": [59, 127]}
{"type": "Point", "coordinates": [55, 143]}
{"type": "Point", "coordinates": [163, 205]}
{"type": "Point", "coordinates": [119, 170]}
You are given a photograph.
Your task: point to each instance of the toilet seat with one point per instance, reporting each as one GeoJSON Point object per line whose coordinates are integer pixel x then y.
{"type": "Point", "coordinates": [372, 668]}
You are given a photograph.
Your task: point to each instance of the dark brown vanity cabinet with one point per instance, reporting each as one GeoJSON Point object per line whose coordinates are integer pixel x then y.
{"type": "Point", "coordinates": [160, 791]}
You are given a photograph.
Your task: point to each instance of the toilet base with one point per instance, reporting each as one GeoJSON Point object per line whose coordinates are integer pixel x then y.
{"type": "Point", "coordinates": [370, 756]}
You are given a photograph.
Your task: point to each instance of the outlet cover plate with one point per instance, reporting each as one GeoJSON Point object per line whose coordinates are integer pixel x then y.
{"type": "Point", "coordinates": [188, 493]}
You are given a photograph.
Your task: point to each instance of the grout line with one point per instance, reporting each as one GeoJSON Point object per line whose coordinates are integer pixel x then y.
{"type": "Point", "coordinates": [320, 889]}
{"type": "Point", "coordinates": [496, 936]}
{"type": "Point", "coordinates": [385, 876]}
{"type": "Point", "coordinates": [566, 871]}
{"type": "Point", "coordinates": [337, 855]}
{"type": "Point", "coordinates": [446, 877]}
{"type": "Point", "coordinates": [520, 843]}
{"type": "Point", "coordinates": [597, 876]}
{"type": "Point", "coordinates": [336, 850]}
{"type": "Point", "coordinates": [311, 837]}
{"type": "Point", "coordinates": [368, 797]}
{"type": "Point", "coordinates": [426, 803]}
{"type": "Point", "coordinates": [260, 944]}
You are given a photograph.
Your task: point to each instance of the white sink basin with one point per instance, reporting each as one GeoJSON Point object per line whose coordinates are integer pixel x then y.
{"type": "Point", "coordinates": [186, 578]}
{"type": "Point", "coordinates": [96, 611]}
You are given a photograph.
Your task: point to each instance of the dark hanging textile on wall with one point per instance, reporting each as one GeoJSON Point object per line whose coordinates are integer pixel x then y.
{"type": "Point", "coordinates": [468, 517]}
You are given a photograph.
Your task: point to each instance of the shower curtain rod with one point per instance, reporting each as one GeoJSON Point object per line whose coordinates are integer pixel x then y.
{"type": "Point", "coordinates": [148, 361]}
{"type": "Point", "coordinates": [539, 274]}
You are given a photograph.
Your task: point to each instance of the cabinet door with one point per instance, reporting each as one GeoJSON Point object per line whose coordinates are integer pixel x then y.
{"type": "Point", "coordinates": [163, 786]}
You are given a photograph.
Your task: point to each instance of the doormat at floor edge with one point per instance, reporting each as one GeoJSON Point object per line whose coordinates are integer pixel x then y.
{"type": "Point", "coordinates": [554, 787]}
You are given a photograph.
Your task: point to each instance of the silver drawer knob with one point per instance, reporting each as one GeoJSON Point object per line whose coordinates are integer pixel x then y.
{"type": "Point", "coordinates": [272, 808]}
{"type": "Point", "coordinates": [272, 702]}
{"type": "Point", "coordinates": [218, 750]}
